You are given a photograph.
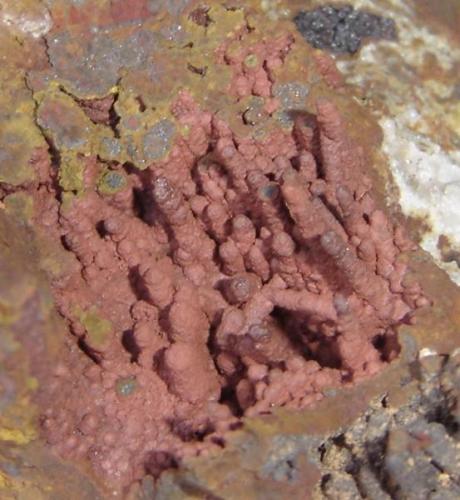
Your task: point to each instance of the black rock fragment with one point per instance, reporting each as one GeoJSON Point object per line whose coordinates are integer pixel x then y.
{"type": "Point", "coordinates": [340, 29]}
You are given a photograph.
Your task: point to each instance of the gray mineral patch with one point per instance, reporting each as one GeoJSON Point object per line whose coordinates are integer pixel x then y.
{"type": "Point", "coordinates": [92, 64]}
{"type": "Point", "coordinates": [291, 95]}
{"type": "Point", "coordinates": [341, 29]}
{"type": "Point", "coordinates": [281, 463]}
{"type": "Point", "coordinates": [174, 7]}
{"type": "Point", "coordinates": [60, 124]}
{"type": "Point", "coordinates": [158, 140]}
{"type": "Point", "coordinates": [110, 147]}
{"type": "Point", "coordinates": [5, 155]}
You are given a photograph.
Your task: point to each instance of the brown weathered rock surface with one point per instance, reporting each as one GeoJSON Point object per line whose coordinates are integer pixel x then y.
{"type": "Point", "coordinates": [196, 202]}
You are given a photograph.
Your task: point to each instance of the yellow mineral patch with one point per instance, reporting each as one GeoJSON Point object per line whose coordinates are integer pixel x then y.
{"type": "Point", "coordinates": [4, 481]}
{"type": "Point", "coordinates": [17, 436]}
{"type": "Point", "coordinates": [32, 383]}
{"type": "Point", "coordinates": [97, 328]}
{"type": "Point", "coordinates": [18, 134]}
{"type": "Point", "coordinates": [20, 205]}
{"type": "Point", "coordinates": [71, 172]}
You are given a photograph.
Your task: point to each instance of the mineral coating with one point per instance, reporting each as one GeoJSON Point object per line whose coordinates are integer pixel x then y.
{"type": "Point", "coordinates": [194, 257]}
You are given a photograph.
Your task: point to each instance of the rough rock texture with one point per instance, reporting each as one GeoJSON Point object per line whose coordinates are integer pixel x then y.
{"type": "Point", "coordinates": [406, 447]}
{"type": "Point", "coordinates": [234, 276]}
{"type": "Point", "coordinates": [28, 344]}
{"type": "Point", "coordinates": [341, 29]}
{"type": "Point", "coordinates": [203, 214]}
{"type": "Point", "coordinates": [421, 128]}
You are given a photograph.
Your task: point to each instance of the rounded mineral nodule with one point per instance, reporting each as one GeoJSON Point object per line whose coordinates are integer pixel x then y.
{"type": "Point", "coordinates": [126, 386]}
{"type": "Point", "coordinates": [111, 182]}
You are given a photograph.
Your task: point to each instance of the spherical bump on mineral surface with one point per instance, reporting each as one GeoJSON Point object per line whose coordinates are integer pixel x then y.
{"type": "Point", "coordinates": [238, 289]}
{"type": "Point", "coordinates": [111, 182]}
{"type": "Point", "coordinates": [158, 140]}
{"type": "Point", "coordinates": [283, 245]}
{"type": "Point", "coordinates": [251, 61]}
{"type": "Point", "coordinates": [269, 192]}
{"type": "Point", "coordinates": [162, 190]}
{"type": "Point", "coordinates": [126, 386]}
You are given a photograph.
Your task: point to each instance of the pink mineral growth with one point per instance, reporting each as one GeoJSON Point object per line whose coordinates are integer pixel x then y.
{"type": "Point", "coordinates": [235, 276]}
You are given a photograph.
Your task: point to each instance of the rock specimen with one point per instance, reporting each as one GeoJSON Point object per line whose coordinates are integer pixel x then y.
{"type": "Point", "coordinates": [231, 277]}
{"type": "Point", "coordinates": [220, 261]}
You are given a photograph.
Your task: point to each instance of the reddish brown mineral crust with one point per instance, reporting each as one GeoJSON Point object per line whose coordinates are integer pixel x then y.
{"type": "Point", "coordinates": [233, 276]}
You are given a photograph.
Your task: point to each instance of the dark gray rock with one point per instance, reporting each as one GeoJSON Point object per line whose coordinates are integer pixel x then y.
{"type": "Point", "coordinates": [341, 29]}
